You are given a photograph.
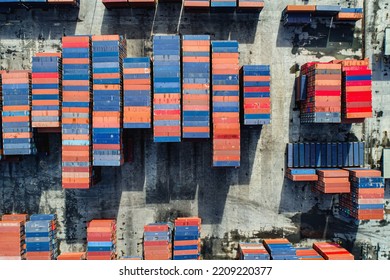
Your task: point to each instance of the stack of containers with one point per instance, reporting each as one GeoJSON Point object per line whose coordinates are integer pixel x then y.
{"type": "Point", "coordinates": [290, 19]}
{"type": "Point", "coordinates": [323, 100]}
{"type": "Point", "coordinates": [299, 9]}
{"type": "Point", "coordinates": [108, 52]}
{"type": "Point", "coordinates": [41, 237]}
{"type": "Point", "coordinates": [16, 114]}
{"type": "Point", "coordinates": [280, 249]}
{"type": "Point", "coordinates": [101, 238]}
{"type": "Point", "coordinates": [136, 93]}
{"type": "Point", "coordinates": [158, 241]}
{"type": "Point", "coordinates": [12, 237]}
{"type": "Point", "coordinates": [196, 4]}
{"type": "Point", "coordinates": [350, 14]}
{"type": "Point", "coordinates": [72, 256]}
{"type": "Point", "coordinates": [1, 109]}
{"type": "Point", "coordinates": [196, 86]}
{"type": "Point", "coordinates": [187, 239]}
{"type": "Point", "coordinates": [333, 180]}
{"type": "Point", "coordinates": [366, 200]}
{"type": "Point", "coordinates": [256, 94]}
{"type": "Point", "coordinates": [166, 88]}
{"type": "Point", "coordinates": [332, 251]}
{"type": "Point", "coordinates": [298, 14]}
{"type": "Point", "coordinates": [226, 104]}
{"type": "Point", "coordinates": [46, 90]}
{"type": "Point", "coordinates": [251, 5]}
{"type": "Point", "coordinates": [330, 154]}
{"type": "Point", "coordinates": [76, 113]}
{"type": "Point", "coordinates": [223, 4]}
{"type": "Point", "coordinates": [308, 254]}
{"type": "Point", "coordinates": [357, 90]}
{"type": "Point", "coordinates": [301, 174]}
{"type": "Point", "coordinates": [252, 251]}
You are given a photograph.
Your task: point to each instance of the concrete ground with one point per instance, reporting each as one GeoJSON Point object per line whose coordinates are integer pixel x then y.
{"type": "Point", "coordinates": [170, 180]}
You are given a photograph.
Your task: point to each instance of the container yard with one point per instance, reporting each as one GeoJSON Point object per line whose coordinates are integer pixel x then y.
{"type": "Point", "coordinates": [194, 130]}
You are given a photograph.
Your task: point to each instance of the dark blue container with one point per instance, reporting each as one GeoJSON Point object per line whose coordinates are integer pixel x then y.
{"type": "Point", "coordinates": [307, 154]}
{"type": "Point", "coordinates": [296, 155]}
{"type": "Point", "coordinates": [301, 155]}
{"type": "Point", "coordinates": [329, 155]}
{"type": "Point", "coordinates": [356, 154]}
{"type": "Point", "coordinates": [334, 155]}
{"type": "Point", "coordinates": [339, 154]}
{"type": "Point", "coordinates": [290, 155]}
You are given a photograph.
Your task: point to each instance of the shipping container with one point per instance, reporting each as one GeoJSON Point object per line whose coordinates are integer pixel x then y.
{"type": "Point", "coordinates": [252, 251]}
{"type": "Point", "coordinates": [115, 3]}
{"type": "Point", "coordinates": [137, 93]}
{"type": "Point", "coordinates": [12, 237]}
{"type": "Point", "coordinates": [308, 254]}
{"type": "Point", "coordinates": [332, 181]}
{"type": "Point", "coordinates": [109, 4]}
{"type": "Point", "coordinates": [1, 114]}
{"type": "Point", "coordinates": [41, 237]}
{"type": "Point", "coordinates": [327, 10]}
{"type": "Point", "coordinates": [72, 256]}
{"type": "Point", "coordinates": [59, 3]}
{"type": "Point", "coordinates": [250, 5]}
{"type": "Point", "coordinates": [280, 249]}
{"type": "Point", "coordinates": [301, 174]}
{"type": "Point", "coordinates": [166, 88]}
{"type": "Point", "coordinates": [256, 93]}
{"type": "Point", "coordinates": [196, 86]}
{"type": "Point", "coordinates": [356, 90]}
{"type": "Point", "coordinates": [226, 104]}
{"type": "Point", "coordinates": [101, 239]}
{"type": "Point", "coordinates": [323, 93]}
{"type": "Point", "coordinates": [345, 154]}
{"type": "Point", "coordinates": [350, 14]}
{"type": "Point", "coordinates": [366, 199]}
{"type": "Point", "coordinates": [223, 5]}
{"type": "Point", "coordinates": [197, 5]}
{"type": "Point", "coordinates": [187, 238]}
{"type": "Point", "coordinates": [108, 52]}
{"type": "Point", "coordinates": [46, 90]}
{"type": "Point", "coordinates": [332, 251]}
{"type": "Point", "coordinates": [76, 112]}
{"type": "Point", "coordinates": [17, 132]}
{"type": "Point", "coordinates": [44, 4]}
{"type": "Point", "coordinates": [158, 241]}
{"type": "Point", "coordinates": [303, 14]}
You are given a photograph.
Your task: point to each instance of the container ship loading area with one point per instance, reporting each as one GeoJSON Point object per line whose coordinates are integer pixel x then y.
{"type": "Point", "coordinates": [277, 183]}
